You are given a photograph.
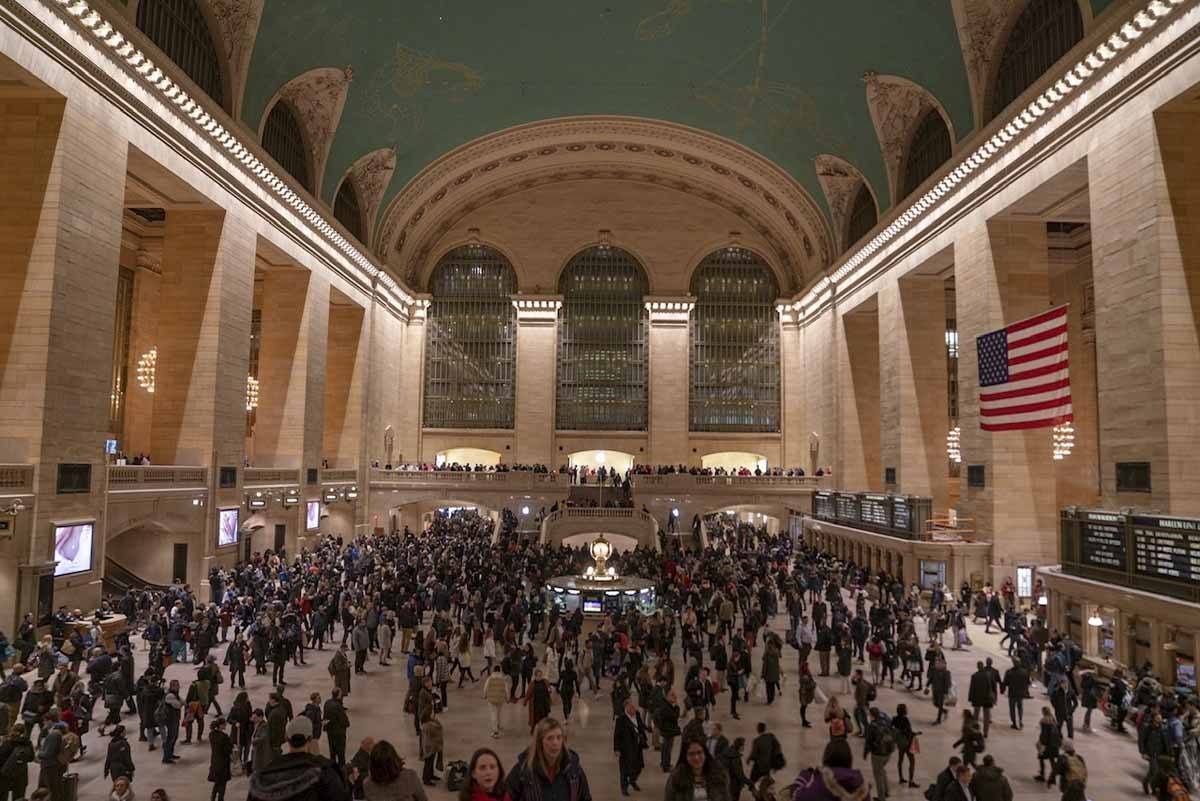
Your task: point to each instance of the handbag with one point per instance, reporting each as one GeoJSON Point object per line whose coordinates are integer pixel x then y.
{"type": "Point", "coordinates": [951, 696]}
{"type": "Point", "coordinates": [915, 746]}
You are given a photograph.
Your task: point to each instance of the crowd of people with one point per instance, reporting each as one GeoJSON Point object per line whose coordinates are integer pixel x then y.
{"type": "Point", "coordinates": [433, 604]}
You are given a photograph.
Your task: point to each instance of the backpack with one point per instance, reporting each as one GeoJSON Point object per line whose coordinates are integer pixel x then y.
{"type": "Point", "coordinates": [70, 747]}
{"type": "Point", "coordinates": [887, 740]}
{"type": "Point", "coordinates": [1076, 771]}
{"type": "Point", "coordinates": [160, 713]}
{"type": "Point", "coordinates": [1176, 789]}
{"type": "Point", "coordinates": [837, 727]}
{"type": "Point", "coordinates": [10, 693]}
{"type": "Point", "coordinates": [871, 693]}
{"type": "Point", "coordinates": [456, 775]}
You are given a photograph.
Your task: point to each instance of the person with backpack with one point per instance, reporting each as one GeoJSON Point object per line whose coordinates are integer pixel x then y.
{"type": "Point", "coordinates": [766, 754]}
{"type": "Point", "coordinates": [981, 694]}
{"type": "Point", "coordinates": [971, 739]}
{"type": "Point", "coordinates": [990, 783]}
{"type": "Point", "coordinates": [167, 715]}
{"type": "Point", "coordinates": [119, 760]}
{"type": "Point", "coordinates": [907, 746]}
{"type": "Point", "coordinates": [1073, 772]}
{"type": "Point", "coordinates": [879, 743]}
{"type": "Point", "coordinates": [298, 775]}
{"type": "Point", "coordinates": [864, 695]}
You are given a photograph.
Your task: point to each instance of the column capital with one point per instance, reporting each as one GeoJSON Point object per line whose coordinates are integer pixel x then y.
{"type": "Point", "coordinates": [537, 309]}
{"type": "Point", "coordinates": [669, 309]}
{"type": "Point", "coordinates": [419, 309]}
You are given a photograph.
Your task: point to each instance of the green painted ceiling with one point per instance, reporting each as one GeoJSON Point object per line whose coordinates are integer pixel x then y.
{"type": "Point", "coordinates": [783, 77]}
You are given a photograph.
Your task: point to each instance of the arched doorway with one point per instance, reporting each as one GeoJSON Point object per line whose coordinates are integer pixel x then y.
{"type": "Point", "coordinates": [733, 461]}
{"type": "Point", "coordinates": [594, 460]}
{"type": "Point", "coordinates": [467, 457]}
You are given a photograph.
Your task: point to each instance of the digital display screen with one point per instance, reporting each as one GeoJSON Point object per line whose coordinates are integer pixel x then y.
{"type": "Point", "coordinates": [847, 508]}
{"type": "Point", "coordinates": [110, 446]}
{"type": "Point", "coordinates": [312, 515]}
{"type": "Point", "coordinates": [227, 527]}
{"type": "Point", "coordinates": [592, 605]}
{"type": "Point", "coordinates": [900, 517]}
{"type": "Point", "coordinates": [1024, 582]}
{"type": "Point", "coordinates": [823, 505]}
{"type": "Point", "coordinates": [874, 510]}
{"type": "Point", "coordinates": [73, 548]}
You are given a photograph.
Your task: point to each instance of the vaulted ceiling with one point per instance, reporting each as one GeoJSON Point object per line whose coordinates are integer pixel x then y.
{"type": "Point", "coordinates": [388, 88]}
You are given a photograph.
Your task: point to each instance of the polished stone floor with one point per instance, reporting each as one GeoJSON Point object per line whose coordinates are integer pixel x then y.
{"type": "Point", "coordinates": [377, 700]}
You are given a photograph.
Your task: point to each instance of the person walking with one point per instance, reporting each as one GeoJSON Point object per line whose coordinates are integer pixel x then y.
{"type": "Point", "coordinates": [990, 783]}
{"type": "Point", "coordinates": [939, 685]}
{"type": "Point", "coordinates": [432, 743]}
{"type": "Point", "coordinates": [699, 775]}
{"type": "Point", "coordinates": [1048, 745]}
{"type": "Point", "coordinates": [118, 761]}
{"type": "Point", "coordinates": [51, 762]}
{"type": "Point", "coordinates": [548, 770]}
{"type": "Point", "coordinates": [16, 752]}
{"type": "Point", "coordinates": [907, 744]}
{"type": "Point", "coordinates": [386, 778]}
{"type": "Point", "coordinates": [879, 743]}
{"type": "Point", "coordinates": [538, 698]}
{"type": "Point", "coordinates": [971, 739]}
{"type": "Point", "coordinates": [666, 723]}
{"type": "Point", "coordinates": [339, 669]}
{"type": "Point", "coordinates": [807, 691]}
{"type": "Point", "coordinates": [298, 774]}
{"type": "Point", "coordinates": [629, 740]}
{"type": "Point", "coordinates": [766, 754]}
{"type": "Point", "coordinates": [220, 759]}
{"type": "Point", "coordinates": [168, 714]}
{"type": "Point", "coordinates": [1016, 685]}
{"type": "Point", "coordinates": [495, 692]}
{"type": "Point", "coordinates": [981, 694]}
{"type": "Point", "coordinates": [337, 723]}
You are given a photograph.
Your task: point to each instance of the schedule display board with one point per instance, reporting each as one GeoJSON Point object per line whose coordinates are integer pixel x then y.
{"type": "Point", "coordinates": [1167, 547]}
{"type": "Point", "coordinates": [900, 516]}
{"type": "Point", "coordinates": [1102, 540]}
{"type": "Point", "coordinates": [1132, 549]}
{"type": "Point", "coordinates": [874, 509]}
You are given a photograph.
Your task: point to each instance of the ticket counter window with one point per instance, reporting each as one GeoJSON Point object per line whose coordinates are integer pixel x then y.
{"type": "Point", "coordinates": [933, 573]}
{"type": "Point", "coordinates": [1106, 638]}
{"type": "Point", "coordinates": [1185, 661]}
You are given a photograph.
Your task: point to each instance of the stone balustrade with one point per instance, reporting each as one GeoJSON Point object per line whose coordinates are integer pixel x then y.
{"type": "Point", "coordinates": [16, 479]}
{"type": "Point", "coordinates": [128, 478]}
{"type": "Point", "coordinates": [270, 477]}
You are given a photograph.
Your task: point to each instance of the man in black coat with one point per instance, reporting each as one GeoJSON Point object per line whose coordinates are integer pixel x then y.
{"type": "Point", "coordinates": [945, 779]}
{"type": "Point", "coordinates": [982, 695]}
{"type": "Point", "coordinates": [629, 739]}
{"type": "Point", "coordinates": [336, 724]}
{"type": "Point", "coordinates": [1016, 684]}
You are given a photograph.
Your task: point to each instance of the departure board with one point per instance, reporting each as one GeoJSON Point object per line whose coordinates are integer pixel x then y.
{"type": "Point", "coordinates": [1167, 547]}
{"type": "Point", "coordinates": [1102, 540]}
{"type": "Point", "coordinates": [901, 516]}
{"type": "Point", "coordinates": [873, 509]}
{"type": "Point", "coordinates": [847, 507]}
{"type": "Point", "coordinates": [823, 506]}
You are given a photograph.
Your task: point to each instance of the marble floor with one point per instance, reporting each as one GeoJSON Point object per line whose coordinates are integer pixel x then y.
{"type": "Point", "coordinates": [375, 709]}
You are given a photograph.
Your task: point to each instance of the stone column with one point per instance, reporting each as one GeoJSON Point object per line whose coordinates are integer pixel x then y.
{"type": "Point", "coordinates": [1145, 208]}
{"type": "Point", "coordinates": [794, 421]}
{"type": "Point", "coordinates": [412, 384]}
{"type": "Point", "coordinates": [203, 339]}
{"type": "Point", "coordinates": [537, 382]}
{"type": "Point", "coordinates": [858, 374]}
{"type": "Point", "coordinates": [143, 336]}
{"type": "Point", "coordinates": [345, 378]}
{"type": "Point", "coordinates": [1001, 275]}
{"type": "Point", "coordinates": [914, 415]}
{"type": "Point", "coordinates": [670, 380]}
{"type": "Point", "coordinates": [821, 391]}
{"type": "Point", "coordinates": [383, 409]}
{"type": "Point", "coordinates": [291, 370]}
{"type": "Point", "coordinates": [63, 173]}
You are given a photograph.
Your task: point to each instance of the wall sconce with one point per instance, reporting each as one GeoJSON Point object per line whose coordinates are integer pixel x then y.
{"type": "Point", "coordinates": [147, 367]}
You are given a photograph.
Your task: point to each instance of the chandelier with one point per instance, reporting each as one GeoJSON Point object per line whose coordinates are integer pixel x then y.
{"type": "Point", "coordinates": [953, 447]}
{"type": "Point", "coordinates": [146, 367]}
{"type": "Point", "coordinates": [1063, 437]}
{"type": "Point", "coordinates": [251, 393]}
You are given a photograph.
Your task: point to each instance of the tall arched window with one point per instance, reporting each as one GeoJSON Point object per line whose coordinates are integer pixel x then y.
{"type": "Point", "coordinates": [345, 209]}
{"type": "Point", "coordinates": [602, 343]}
{"type": "Point", "coordinates": [928, 150]}
{"type": "Point", "coordinates": [734, 344]}
{"type": "Point", "coordinates": [470, 347]}
{"type": "Point", "coordinates": [1043, 34]}
{"type": "Point", "coordinates": [178, 28]}
{"type": "Point", "coordinates": [284, 141]}
{"type": "Point", "coordinates": [862, 215]}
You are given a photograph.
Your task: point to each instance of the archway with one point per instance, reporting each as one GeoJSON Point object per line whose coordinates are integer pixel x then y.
{"type": "Point", "coordinates": [620, 542]}
{"type": "Point", "coordinates": [733, 461]}
{"type": "Point", "coordinates": [467, 457]}
{"type": "Point", "coordinates": [594, 460]}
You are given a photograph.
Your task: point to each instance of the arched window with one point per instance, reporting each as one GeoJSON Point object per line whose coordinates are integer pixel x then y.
{"type": "Point", "coordinates": [284, 141]}
{"type": "Point", "coordinates": [928, 150]}
{"type": "Point", "coordinates": [602, 343]}
{"type": "Point", "coordinates": [470, 350]}
{"type": "Point", "coordinates": [1043, 34]}
{"type": "Point", "coordinates": [734, 345]}
{"type": "Point", "coordinates": [345, 209]}
{"type": "Point", "coordinates": [178, 28]}
{"type": "Point", "coordinates": [862, 215]}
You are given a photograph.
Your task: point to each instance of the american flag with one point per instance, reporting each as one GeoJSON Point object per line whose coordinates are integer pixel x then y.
{"type": "Point", "coordinates": [1023, 377]}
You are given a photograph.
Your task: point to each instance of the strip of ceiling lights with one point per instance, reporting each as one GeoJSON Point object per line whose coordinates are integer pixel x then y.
{"type": "Point", "coordinates": [189, 110]}
{"type": "Point", "coordinates": [1089, 69]}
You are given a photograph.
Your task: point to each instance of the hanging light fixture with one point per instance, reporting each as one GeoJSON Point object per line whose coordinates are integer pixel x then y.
{"type": "Point", "coordinates": [953, 445]}
{"type": "Point", "coordinates": [1063, 438]}
{"type": "Point", "coordinates": [251, 393]}
{"type": "Point", "coordinates": [1095, 620]}
{"type": "Point", "coordinates": [146, 368]}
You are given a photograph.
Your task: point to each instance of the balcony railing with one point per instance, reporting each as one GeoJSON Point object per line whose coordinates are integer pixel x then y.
{"type": "Point", "coordinates": [339, 475]}
{"type": "Point", "coordinates": [685, 482]}
{"type": "Point", "coordinates": [517, 479]}
{"type": "Point", "coordinates": [636, 523]}
{"type": "Point", "coordinates": [270, 477]}
{"type": "Point", "coordinates": [16, 479]}
{"type": "Point", "coordinates": [130, 478]}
